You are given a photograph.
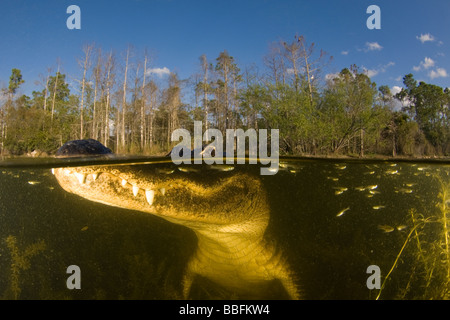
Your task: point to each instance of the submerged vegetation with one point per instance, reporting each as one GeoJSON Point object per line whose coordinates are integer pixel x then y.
{"type": "Point", "coordinates": [20, 262]}
{"type": "Point", "coordinates": [119, 102]}
{"type": "Point", "coordinates": [425, 252]}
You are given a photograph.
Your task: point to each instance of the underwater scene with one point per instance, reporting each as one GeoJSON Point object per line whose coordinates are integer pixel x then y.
{"type": "Point", "coordinates": [149, 229]}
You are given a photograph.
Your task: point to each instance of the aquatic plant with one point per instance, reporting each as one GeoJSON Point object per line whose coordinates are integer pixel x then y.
{"type": "Point", "coordinates": [429, 273]}
{"type": "Point", "coordinates": [20, 261]}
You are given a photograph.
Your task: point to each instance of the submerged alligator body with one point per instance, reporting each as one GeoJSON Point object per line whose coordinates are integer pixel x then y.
{"type": "Point", "coordinates": [229, 217]}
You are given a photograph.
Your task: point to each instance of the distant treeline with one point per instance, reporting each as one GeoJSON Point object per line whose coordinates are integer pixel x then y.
{"type": "Point", "coordinates": [118, 102]}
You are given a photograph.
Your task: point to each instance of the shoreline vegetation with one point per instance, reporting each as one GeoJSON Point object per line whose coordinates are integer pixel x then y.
{"type": "Point", "coordinates": [119, 100]}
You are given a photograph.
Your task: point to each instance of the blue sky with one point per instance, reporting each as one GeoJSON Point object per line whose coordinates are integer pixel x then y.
{"type": "Point", "coordinates": [414, 35]}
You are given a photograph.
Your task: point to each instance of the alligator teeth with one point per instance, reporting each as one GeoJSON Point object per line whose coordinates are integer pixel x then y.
{"type": "Point", "coordinates": [163, 191]}
{"type": "Point", "coordinates": [150, 194]}
{"type": "Point", "coordinates": [135, 190]}
{"type": "Point", "coordinates": [53, 170]}
{"type": "Point", "coordinates": [81, 177]}
{"type": "Point", "coordinates": [124, 182]}
{"type": "Point", "coordinates": [94, 176]}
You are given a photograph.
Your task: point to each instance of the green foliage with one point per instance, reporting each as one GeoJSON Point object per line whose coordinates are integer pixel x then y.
{"type": "Point", "coordinates": [15, 80]}
{"type": "Point", "coordinates": [346, 115]}
{"type": "Point", "coordinates": [428, 106]}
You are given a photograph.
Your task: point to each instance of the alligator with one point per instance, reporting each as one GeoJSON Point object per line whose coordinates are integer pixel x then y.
{"type": "Point", "coordinates": [229, 217]}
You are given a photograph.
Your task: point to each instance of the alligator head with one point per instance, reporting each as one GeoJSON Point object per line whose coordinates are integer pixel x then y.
{"type": "Point", "coordinates": [229, 216]}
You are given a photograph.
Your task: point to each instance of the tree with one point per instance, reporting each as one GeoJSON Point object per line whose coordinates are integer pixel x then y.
{"type": "Point", "coordinates": [142, 127]}
{"type": "Point", "coordinates": [124, 102]}
{"type": "Point", "coordinates": [428, 105]}
{"type": "Point", "coordinates": [85, 64]}
{"type": "Point", "coordinates": [172, 104]}
{"type": "Point", "coordinates": [15, 80]}
{"type": "Point", "coordinates": [348, 108]}
{"type": "Point", "coordinates": [227, 71]}
{"type": "Point", "coordinates": [205, 87]}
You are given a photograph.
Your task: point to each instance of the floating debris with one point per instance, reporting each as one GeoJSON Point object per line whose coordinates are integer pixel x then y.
{"type": "Point", "coordinates": [342, 212]}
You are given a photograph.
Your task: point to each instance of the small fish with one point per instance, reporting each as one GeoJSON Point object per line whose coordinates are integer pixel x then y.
{"type": "Point", "coordinates": [221, 167]}
{"type": "Point", "coordinates": [342, 212]}
{"type": "Point", "coordinates": [341, 167]}
{"type": "Point", "coordinates": [333, 178]}
{"type": "Point", "coordinates": [391, 171]}
{"type": "Point", "coordinates": [165, 170]}
{"type": "Point", "coordinates": [340, 190]}
{"type": "Point", "coordinates": [370, 172]}
{"type": "Point", "coordinates": [33, 182]}
{"type": "Point", "coordinates": [84, 228]}
{"type": "Point", "coordinates": [401, 227]}
{"type": "Point", "coordinates": [386, 228]}
{"type": "Point", "coordinates": [373, 192]}
{"type": "Point", "coordinates": [372, 187]}
{"type": "Point", "coordinates": [404, 190]}
{"type": "Point", "coordinates": [360, 188]}
{"type": "Point", "coordinates": [187, 169]}
{"type": "Point", "coordinates": [378, 207]}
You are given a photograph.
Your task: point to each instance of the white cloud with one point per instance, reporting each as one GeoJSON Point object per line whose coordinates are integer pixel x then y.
{"type": "Point", "coordinates": [438, 73]}
{"type": "Point", "coordinates": [372, 46]}
{"type": "Point", "coordinates": [344, 53]}
{"type": "Point", "coordinates": [425, 64]}
{"type": "Point", "coordinates": [290, 70]}
{"type": "Point", "coordinates": [331, 76]}
{"type": "Point", "coordinates": [371, 72]}
{"type": "Point", "coordinates": [395, 90]}
{"type": "Point", "coordinates": [425, 38]}
{"type": "Point", "coordinates": [158, 71]}
{"type": "Point", "coordinates": [381, 69]}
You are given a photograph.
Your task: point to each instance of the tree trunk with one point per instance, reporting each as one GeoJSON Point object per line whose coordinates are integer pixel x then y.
{"type": "Point", "coordinates": [54, 94]}
{"type": "Point", "coordinates": [87, 51]}
{"type": "Point", "coordinates": [143, 107]}
{"type": "Point", "coordinates": [124, 101]}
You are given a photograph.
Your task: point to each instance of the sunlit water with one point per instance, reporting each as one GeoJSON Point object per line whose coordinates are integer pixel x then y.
{"type": "Point", "coordinates": [333, 219]}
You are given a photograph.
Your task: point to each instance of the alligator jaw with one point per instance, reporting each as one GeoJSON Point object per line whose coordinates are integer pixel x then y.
{"type": "Point", "coordinates": [229, 217]}
{"type": "Point", "coordinates": [226, 202]}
